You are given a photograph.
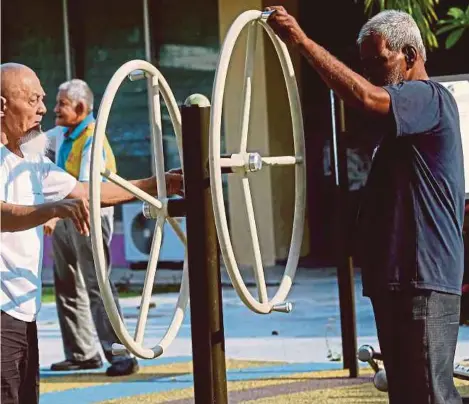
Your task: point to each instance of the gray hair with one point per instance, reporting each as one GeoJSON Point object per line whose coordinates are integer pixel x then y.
{"type": "Point", "coordinates": [78, 91]}
{"type": "Point", "coordinates": [398, 28]}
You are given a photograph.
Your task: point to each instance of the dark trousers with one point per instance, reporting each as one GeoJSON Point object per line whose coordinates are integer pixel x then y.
{"type": "Point", "coordinates": [20, 361]}
{"type": "Point", "coordinates": [417, 333]}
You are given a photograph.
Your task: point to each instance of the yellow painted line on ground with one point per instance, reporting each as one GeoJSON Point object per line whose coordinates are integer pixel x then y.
{"type": "Point", "coordinates": [86, 380]}
{"type": "Point", "coordinates": [232, 386]}
{"type": "Point", "coordinates": [363, 393]}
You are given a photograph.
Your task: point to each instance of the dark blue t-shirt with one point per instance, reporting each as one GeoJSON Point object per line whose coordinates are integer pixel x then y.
{"type": "Point", "coordinates": [412, 212]}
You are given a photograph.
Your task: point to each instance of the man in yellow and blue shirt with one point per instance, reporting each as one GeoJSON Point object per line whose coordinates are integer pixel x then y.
{"type": "Point", "coordinates": [77, 292]}
{"type": "Point", "coordinates": [74, 149]}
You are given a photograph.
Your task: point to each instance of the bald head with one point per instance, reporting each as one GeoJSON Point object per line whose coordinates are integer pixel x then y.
{"type": "Point", "coordinates": [24, 101]}
{"type": "Point", "coordinates": [15, 77]}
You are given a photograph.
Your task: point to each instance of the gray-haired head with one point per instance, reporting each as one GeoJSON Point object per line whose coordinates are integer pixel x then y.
{"type": "Point", "coordinates": [78, 91]}
{"type": "Point", "coordinates": [398, 28]}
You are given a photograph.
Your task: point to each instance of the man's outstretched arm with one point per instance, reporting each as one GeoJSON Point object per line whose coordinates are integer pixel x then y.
{"type": "Point", "coordinates": [353, 88]}
{"type": "Point", "coordinates": [112, 194]}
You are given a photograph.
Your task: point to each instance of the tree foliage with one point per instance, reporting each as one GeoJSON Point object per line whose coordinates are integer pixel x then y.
{"type": "Point", "coordinates": [456, 23]}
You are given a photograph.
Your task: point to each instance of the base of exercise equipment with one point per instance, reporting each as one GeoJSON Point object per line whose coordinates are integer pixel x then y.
{"type": "Point", "coordinates": [461, 372]}
{"type": "Point", "coordinates": [367, 354]}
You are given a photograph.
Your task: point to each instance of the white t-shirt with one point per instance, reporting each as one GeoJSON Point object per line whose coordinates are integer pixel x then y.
{"type": "Point", "coordinates": [31, 180]}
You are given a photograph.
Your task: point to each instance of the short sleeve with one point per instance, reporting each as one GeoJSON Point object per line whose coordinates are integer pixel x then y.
{"type": "Point", "coordinates": [415, 106]}
{"type": "Point", "coordinates": [3, 184]}
{"type": "Point", "coordinates": [57, 183]}
{"type": "Point", "coordinates": [3, 174]}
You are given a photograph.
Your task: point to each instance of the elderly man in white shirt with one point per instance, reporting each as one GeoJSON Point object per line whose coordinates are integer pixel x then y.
{"type": "Point", "coordinates": [33, 190]}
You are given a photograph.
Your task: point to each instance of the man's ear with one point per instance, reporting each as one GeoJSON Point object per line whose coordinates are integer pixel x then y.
{"type": "Point", "coordinates": [3, 107]}
{"type": "Point", "coordinates": [410, 54]}
{"type": "Point", "coordinates": [80, 108]}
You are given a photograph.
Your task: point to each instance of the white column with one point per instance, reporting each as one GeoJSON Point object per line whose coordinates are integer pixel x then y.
{"type": "Point", "coordinates": [258, 140]}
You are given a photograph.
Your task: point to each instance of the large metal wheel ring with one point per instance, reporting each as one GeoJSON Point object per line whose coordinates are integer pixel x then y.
{"type": "Point", "coordinates": [244, 162]}
{"type": "Point", "coordinates": [137, 69]}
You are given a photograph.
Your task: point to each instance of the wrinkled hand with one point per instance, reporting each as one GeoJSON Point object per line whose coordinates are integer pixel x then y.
{"type": "Point", "coordinates": [285, 26]}
{"type": "Point", "coordinates": [175, 182]}
{"type": "Point", "coordinates": [49, 226]}
{"type": "Point", "coordinates": [78, 210]}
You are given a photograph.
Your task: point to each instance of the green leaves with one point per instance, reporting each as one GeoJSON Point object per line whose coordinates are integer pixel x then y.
{"type": "Point", "coordinates": [456, 25]}
{"type": "Point", "coordinates": [454, 37]}
{"type": "Point", "coordinates": [456, 12]}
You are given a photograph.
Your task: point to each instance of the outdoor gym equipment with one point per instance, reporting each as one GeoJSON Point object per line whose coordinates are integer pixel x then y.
{"type": "Point", "coordinates": [152, 208]}
{"type": "Point", "coordinates": [366, 353]}
{"type": "Point", "coordinates": [198, 129]}
{"type": "Point", "coordinates": [245, 163]}
{"type": "Point", "coordinates": [241, 163]}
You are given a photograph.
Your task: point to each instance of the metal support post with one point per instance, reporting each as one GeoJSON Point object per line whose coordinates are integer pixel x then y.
{"type": "Point", "coordinates": [208, 340]}
{"type": "Point", "coordinates": [344, 260]}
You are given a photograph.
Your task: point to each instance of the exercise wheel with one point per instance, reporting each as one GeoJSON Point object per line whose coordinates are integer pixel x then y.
{"type": "Point", "coordinates": [152, 208]}
{"type": "Point", "coordinates": [243, 163]}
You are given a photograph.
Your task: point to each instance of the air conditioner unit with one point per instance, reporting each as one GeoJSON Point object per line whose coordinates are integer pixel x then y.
{"type": "Point", "coordinates": [138, 235]}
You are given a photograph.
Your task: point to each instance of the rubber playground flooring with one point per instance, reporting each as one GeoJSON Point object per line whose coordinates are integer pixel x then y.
{"type": "Point", "coordinates": [170, 381]}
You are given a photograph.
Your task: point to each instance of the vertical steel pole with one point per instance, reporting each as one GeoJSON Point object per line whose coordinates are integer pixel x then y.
{"type": "Point", "coordinates": [345, 263]}
{"type": "Point", "coordinates": [151, 103]}
{"type": "Point", "coordinates": [68, 56]}
{"type": "Point", "coordinates": [208, 339]}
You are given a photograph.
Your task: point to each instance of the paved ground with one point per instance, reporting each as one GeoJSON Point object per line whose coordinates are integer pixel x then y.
{"type": "Point", "coordinates": [271, 357]}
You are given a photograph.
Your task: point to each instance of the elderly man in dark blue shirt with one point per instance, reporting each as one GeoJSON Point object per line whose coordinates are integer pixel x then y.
{"type": "Point", "coordinates": [411, 217]}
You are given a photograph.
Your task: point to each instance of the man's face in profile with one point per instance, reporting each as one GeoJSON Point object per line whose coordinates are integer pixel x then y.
{"type": "Point", "coordinates": [24, 109]}
{"type": "Point", "coordinates": [66, 111]}
{"type": "Point", "coordinates": [381, 66]}
{"type": "Point", "coordinates": [25, 104]}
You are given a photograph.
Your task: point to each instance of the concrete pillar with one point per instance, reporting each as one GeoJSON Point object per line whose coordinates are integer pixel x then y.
{"type": "Point", "coordinates": [269, 134]}
{"type": "Point", "coordinates": [281, 142]}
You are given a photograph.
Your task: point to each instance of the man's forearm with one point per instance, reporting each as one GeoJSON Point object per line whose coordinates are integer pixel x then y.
{"type": "Point", "coordinates": [353, 88]}
{"type": "Point", "coordinates": [112, 194]}
{"type": "Point", "coordinates": [20, 217]}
